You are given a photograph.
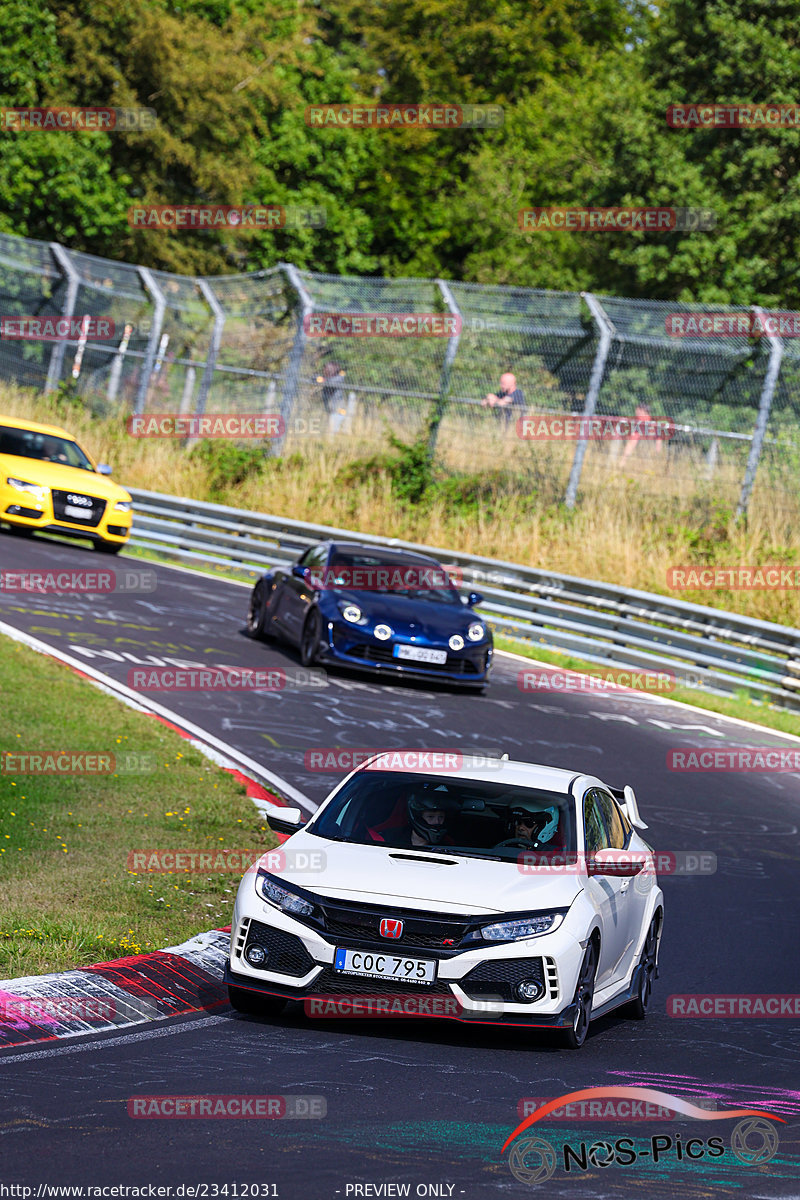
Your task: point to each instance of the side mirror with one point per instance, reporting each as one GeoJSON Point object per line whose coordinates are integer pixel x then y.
{"type": "Point", "coordinates": [474, 598]}
{"type": "Point", "coordinates": [617, 863]}
{"type": "Point", "coordinates": [103, 469]}
{"type": "Point", "coordinates": [298, 571]}
{"type": "Point", "coordinates": [290, 821]}
{"type": "Point", "coordinates": [632, 808]}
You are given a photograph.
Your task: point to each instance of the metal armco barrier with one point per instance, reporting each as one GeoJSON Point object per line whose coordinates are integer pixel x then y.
{"type": "Point", "coordinates": [717, 651]}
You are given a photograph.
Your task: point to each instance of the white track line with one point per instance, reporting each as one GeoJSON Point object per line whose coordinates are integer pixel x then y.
{"type": "Point", "coordinates": [651, 699]}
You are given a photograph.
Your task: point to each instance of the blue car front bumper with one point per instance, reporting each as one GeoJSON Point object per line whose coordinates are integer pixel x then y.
{"type": "Point", "coordinates": [349, 646]}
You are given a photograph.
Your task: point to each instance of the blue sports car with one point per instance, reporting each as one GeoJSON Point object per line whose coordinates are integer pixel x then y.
{"type": "Point", "coordinates": [376, 609]}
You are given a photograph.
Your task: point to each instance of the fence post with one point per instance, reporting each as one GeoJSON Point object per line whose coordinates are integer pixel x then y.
{"type": "Point", "coordinates": [607, 331]}
{"type": "Point", "coordinates": [212, 300]}
{"type": "Point", "coordinates": [447, 369]}
{"type": "Point", "coordinates": [291, 380]}
{"type": "Point", "coordinates": [64, 261]}
{"type": "Point", "coordinates": [764, 407]}
{"type": "Point", "coordinates": [159, 304]}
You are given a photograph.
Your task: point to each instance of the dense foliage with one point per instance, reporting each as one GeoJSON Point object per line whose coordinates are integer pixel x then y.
{"type": "Point", "coordinates": [584, 85]}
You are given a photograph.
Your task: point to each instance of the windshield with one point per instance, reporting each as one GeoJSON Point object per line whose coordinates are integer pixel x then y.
{"type": "Point", "coordinates": [449, 816]}
{"type": "Point", "coordinates": [414, 578]}
{"type": "Point", "coordinates": [46, 447]}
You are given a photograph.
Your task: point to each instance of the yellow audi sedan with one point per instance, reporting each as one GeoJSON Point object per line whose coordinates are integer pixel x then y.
{"type": "Point", "coordinates": [49, 482]}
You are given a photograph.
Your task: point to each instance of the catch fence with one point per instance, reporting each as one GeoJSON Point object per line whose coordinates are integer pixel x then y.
{"type": "Point", "coordinates": [258, 343]}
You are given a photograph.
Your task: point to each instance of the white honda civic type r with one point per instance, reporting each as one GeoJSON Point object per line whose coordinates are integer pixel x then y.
{"type": "Point", "coordinates": [511, 893]}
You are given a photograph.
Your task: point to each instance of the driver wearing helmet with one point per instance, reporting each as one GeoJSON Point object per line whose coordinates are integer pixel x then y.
{"type": "Point", "coordinates": [427, 817]}
{"type": "Point", "coordinates": [530, 829]}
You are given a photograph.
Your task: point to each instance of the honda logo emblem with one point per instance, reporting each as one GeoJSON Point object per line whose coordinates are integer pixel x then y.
{"type": "Point", "coordinates": [391, 929]}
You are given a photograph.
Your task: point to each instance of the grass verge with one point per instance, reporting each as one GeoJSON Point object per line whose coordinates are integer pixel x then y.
{"type": "Point", "coordinates": [67, 895]}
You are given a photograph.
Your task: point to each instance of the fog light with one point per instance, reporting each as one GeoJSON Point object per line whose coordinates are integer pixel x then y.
{"type": "Point", "coordinates": [256, 956]}
{"type": "Point", "coordinates": [529, 990]}
{"type": "Point", "coordinates": [382, 632]}
{"type": "Point", "coordinates": [456, 642]}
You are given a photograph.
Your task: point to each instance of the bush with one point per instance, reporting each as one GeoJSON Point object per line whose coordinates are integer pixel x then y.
{"type": "Point", "coordinates": [227, 465]}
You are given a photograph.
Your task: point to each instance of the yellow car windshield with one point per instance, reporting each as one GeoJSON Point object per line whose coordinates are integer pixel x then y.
{"type": "Point", "coordinates": [46, 447]}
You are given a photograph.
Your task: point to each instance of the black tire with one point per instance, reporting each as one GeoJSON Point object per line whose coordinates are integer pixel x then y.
{"type": "Point", "coordinates": [254, 1004]}
{"type": "Point", "coordinates": [257, 613]}
{"type": "Point", "coordinates": [574, 1037]}
{"type": "Point", "coordinates": [636, 1010]}
{"type": "Point", "coordinates": [109, 547]}
{"type": "Point", "coordinates": [310, 638]}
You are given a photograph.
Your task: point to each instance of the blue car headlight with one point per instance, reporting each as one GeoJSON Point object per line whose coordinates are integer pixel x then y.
{"type": "Point", "coordinates": [382, 632]}
{"type": "Point", "coordinates": [456, 642]}
{"type": "Point", "coordinates": [351, 613]}
{"type": "Point", "coordinates": [476, 632]}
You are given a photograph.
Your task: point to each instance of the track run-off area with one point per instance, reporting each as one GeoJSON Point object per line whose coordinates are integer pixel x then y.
{"type": "Point", "coordinates": [428, 1104]}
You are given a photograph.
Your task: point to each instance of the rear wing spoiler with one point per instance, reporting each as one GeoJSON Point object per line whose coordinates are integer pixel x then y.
{"type": "Point", "coordinates": [627, 800]}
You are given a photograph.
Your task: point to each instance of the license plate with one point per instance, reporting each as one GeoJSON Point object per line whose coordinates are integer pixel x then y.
{"type": "Point", "coordinates": [385, 966]}
{"type": "Point", "coordinates": [72, 510]}
{"type": "Point", "coordinates": [421, 654]}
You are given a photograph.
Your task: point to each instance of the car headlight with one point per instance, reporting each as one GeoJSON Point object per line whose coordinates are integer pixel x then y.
{"type": "Point", "coordinates": [475, 632]}
{"type": "Point", "coordinates": [382, 632]}
{"type": "Point", "coordinates": [514, 931]}
{"type": "Point", "coordinates": [124, 505]}
{"type": "Point", "coordinates": [352, 613]}
{"type": "Point", "coordinates": [33, 489]}
{"type": "Point", "coordinates": [456, 642]}
{"type": "Point", "coordinates": [282, 897]}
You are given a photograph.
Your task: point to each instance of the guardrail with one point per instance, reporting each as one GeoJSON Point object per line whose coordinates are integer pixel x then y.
{"type": "Point", "coordinates": [708, 648]}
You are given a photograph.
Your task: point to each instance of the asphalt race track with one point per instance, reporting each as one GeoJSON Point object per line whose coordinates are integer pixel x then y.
{"type": "Point", "coordinates": [416, 1102]}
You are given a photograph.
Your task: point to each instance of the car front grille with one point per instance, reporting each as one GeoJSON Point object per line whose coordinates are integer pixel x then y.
{"type": "Point", "coordinates": [360, 926]}
{"type": "Point", "coordinates": [93, 510]}
{"type": "Point", "coordinates": [286, 954]}
{"type": "Point", "coordinates": [499, 977]}
{"type": "Point", "coordinates": [330, 982]}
